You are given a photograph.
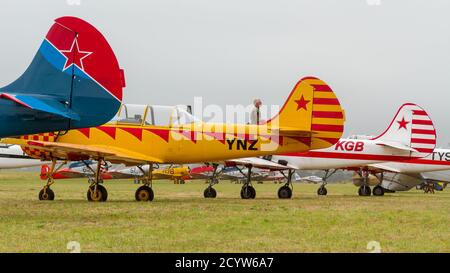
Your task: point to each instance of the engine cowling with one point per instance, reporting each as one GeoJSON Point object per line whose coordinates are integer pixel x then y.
{"type": "Point", "coordinates": [400, 182]}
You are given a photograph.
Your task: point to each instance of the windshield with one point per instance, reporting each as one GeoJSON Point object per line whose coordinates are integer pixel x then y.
{"type": "Point", "coordinates": [157, 115]}
{"type": "Point", "coordinates": [181, 116]}
{"type": "Point", "coordinates": [130, 114]}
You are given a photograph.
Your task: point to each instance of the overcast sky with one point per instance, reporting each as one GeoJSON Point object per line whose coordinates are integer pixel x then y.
{"type": "Point", "coordinates": [375, 54]}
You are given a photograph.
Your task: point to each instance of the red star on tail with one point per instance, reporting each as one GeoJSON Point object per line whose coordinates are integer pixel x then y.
{"type": "Point", "coordinates": [302, 103]}
{"type": "Point", "coordinates": [75, 56]}
{"type": "Point", "coordinates": [403, 124]}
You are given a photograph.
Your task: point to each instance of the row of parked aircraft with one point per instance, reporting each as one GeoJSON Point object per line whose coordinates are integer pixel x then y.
{"type": "Point", "coordinates": [62, 109]}
{"type": "Point", "coordinates": [178, 174]}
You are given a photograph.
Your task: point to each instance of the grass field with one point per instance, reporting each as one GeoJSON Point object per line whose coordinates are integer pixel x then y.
{"type": "Point", "coordinates": [181, 220]}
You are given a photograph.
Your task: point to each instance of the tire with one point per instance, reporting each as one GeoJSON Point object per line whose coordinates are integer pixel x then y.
{"type": "Point", "coordinates": [210, 193]}
{"type": "Point", "coordinates": [49, 195]}
{"type": "Point", "coordinates": [378, 191]}
{"type": "Point", "coordinates": [248, 192]}
{"type": "Point", "coordinates": [144, 194]}
{"type": "Point", "coordinates": [322, 191]}
{"type": "Point", "coordinates": [101, 195]}
{"type": "Point", "coordinates": [285, 193]}
{"type": "Point", "coordinates": [364, 191]}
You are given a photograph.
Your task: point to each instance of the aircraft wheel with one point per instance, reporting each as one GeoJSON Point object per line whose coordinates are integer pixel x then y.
{"type": "Point", "coordinates": [210, 193]}
{"type": "Point", "coordinates": [99, 195]}
{"type": "Point", "coordinates": [144, 193]}
{"type": "Point", "coordinates": [285, 193]}
{"type": "Point", "coordinates": [378, 191]}
{"type": "Point", "coordinates": [364, 191]}
{"type": "Point", "coordinates": [322, 191]}
{"type": "Point", "coordinates": [248, 192]}
{"type": "Point", "coordinates": [47, 195]}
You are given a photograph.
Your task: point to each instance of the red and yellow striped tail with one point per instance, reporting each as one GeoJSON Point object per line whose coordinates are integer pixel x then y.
{"type": "Point", "coordinates": [312, 107]}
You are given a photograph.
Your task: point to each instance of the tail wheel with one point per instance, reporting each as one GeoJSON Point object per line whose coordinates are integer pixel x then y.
{"type": "Point", "coordinates": [46, 195]}
{"type": "Point", "coordinates": [248, 192]}
{"type": "Point", "coordinates": [285, 193]}
{"type": "Point", "coordinates": [99, 194]}
{"type": "Point", "coordinates": [378, 191]}
{"type": "Point", "coordinates": [210, 193]}
{"type": "Point", "coordinates": [144, 194]}
{"type": "Point", "coordinates": [322, 191]}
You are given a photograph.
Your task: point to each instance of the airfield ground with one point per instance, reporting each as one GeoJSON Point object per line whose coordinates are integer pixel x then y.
{"type": "Point", "coordinates": [181, 220]}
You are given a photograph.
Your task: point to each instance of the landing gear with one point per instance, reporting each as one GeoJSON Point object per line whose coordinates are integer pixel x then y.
{"type": "Point", "coordinates": [364, 191]}
{"type": "Point", "coordinates": [285, 192]}
{"type": "Point", "coordinates": [322, 191]}
{"type": "Point", "coordinates": [46, 194]}
{"type": "Point", "coordinates": [179, 181]}
{"type": "Point", "coordinates": [145, 193]}
{"type": "Point", "coordinates": [247, 191]}
{"type": "Point", "coordinates": [210, 192]}
{"type": "Point", "coordinates": [378, 191]}
{"type": "Point", "coordinates": [96, 192]}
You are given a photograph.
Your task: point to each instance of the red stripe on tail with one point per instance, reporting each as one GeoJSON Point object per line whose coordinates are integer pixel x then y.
{"type": "Point", "coordinates": [326, 101]}
{"type": "Point", "coordinates": [420, 113]}
{"type": "Point", "coordinates": [422, 122]}
{"type": "Point", "coordinates": [321, 88]}
{"type": "Point", "coordinates": [423, 132]}
{"type": "Point", "coordinates": [423, 141]}
{"type": "Point", "coordinates": [327, 128]}
{"type": "Point", "coordinates": [322, 114]}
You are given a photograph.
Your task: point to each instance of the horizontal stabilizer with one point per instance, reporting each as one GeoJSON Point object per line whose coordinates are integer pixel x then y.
{"type": "Point", "coordinates": [42, 103]}
{"type": "Point", "coordinates": [396, 145]}
{"type": "Point", "coordinates": [293, 132]}
{"type": "Point", "coordinates": [383, 167]}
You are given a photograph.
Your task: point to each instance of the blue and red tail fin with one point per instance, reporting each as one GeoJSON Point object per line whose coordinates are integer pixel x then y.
{"type": "Point", "coordinates": [74, 81]}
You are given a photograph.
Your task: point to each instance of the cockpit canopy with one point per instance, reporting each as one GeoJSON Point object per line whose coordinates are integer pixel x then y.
{"type": "Point", "coordinates": [157, 115]}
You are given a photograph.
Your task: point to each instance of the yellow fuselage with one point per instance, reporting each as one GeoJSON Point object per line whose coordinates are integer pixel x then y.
{"type": "Point", "coordinates": [197, 143]}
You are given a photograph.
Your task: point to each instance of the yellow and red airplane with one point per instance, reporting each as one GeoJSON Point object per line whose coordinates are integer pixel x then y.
{"type": "Point", "coordinates": [311, 118]}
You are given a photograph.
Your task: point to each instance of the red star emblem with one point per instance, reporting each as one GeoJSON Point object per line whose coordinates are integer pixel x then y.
{"type": "Point", "coordinates": [403, 124]}
{"type": "Point", "coordinates": [75, 56]}
{"type": "Point", "coordinates": [302, 103]}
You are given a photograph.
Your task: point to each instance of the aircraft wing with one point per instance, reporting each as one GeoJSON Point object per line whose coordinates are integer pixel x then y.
{"type": "Point", "coordinates": [259, 163]}
{"type": "Point", "coordinates": [42, 103]}
{"type": "Point", "coordinates": [378, 167]}
{"type": "Point", "coordinates": [71, 151]}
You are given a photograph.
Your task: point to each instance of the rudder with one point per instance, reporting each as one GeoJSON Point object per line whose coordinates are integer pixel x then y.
{"type": "Point", "coordinates": [411, 127]}
{"type": "Point", "coordinates": [75, 70]}
{"type": "Point", "coordinates": [312, 106]}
